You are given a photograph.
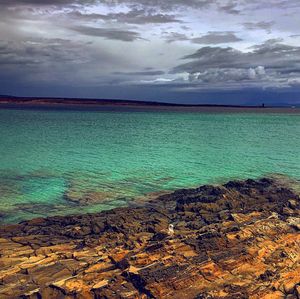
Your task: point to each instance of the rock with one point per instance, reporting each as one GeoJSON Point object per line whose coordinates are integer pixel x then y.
{"type": "Point", "coordinates": [297, 291]}
{"type": "Point", "coordinates": [293, 204]}
{"type": "Point", "coordinates": [239, 240]}
{"type": "Point", "coordinates": [159, 236]}
{"type": "Point", "coordinates": [100, 284]}
{"type": "Point", "coordinates": [288, 211]}
{"type": "Point", "coordinates": [294, 222]}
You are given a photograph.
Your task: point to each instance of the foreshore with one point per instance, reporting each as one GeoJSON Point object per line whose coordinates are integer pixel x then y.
{"type": "Point", "coordinates": [238, 240]}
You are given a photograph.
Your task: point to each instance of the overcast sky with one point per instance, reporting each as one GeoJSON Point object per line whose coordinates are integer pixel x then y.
{"type": "Point", "coordinates": [205, 51]}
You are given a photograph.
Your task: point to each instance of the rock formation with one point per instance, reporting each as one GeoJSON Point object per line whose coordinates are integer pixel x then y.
{"type": "Point", "coordinates": [239, 240]}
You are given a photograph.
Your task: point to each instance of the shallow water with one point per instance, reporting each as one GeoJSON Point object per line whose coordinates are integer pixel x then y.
{"type": "Point", "coordinates": [50, 159]}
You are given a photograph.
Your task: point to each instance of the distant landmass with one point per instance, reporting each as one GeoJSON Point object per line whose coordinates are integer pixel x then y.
{"type": "Point", "coordinates": [87, 101]}
{"type": "Point", "coordinates": [57, 101]}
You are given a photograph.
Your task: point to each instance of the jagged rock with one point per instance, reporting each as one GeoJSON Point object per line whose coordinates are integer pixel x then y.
{"type": "Point", "coordinates": [239, 240]}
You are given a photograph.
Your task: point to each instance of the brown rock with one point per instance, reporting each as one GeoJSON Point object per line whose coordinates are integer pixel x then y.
{"type": "Point", "coordinates": [239, 240]}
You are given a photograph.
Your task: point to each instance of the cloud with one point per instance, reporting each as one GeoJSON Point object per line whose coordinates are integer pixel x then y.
{"type": "Point", "coordinates": [271, 54]}
{"type": "Point", "coordinates": [228, 75]}
{"type": "Point", "coordinates": [108, 33]}
{"type": "Point", "coordinates": [216, 37]}
{"type": "Point", "coordinates": [221, 29]}
{"type": "Point", "coordinates": [260, 70]}
{"type": "Point", "coordinates": [270, 64]}
{"type": "Point", "coordinates": [45, 2]}
{"type": "Point", "coordinates": [156, 81]}
{"type": "Point", "coordinates": [162, 4]}
{"type": "Point", "coordinates": [267, 26]}
{"type": "Point", "coordinates": [230, 8]}
{"type": "Point", "coordinates": [141, 73]}
{"type": "Point", "coordinates": [295, 82]}
{"type": "Point", "coordinates": [46, 61]}
{"type": "Point", "coordinates": [158, 4]}
{"type": "Point", "coordinates": [212, 37]}
{"type": "Point", "coordinates": [175, 36]}
{"type": "Point", "coordinates": [134, 16]}
{"type": "Point", "coordinates": [40, 51]}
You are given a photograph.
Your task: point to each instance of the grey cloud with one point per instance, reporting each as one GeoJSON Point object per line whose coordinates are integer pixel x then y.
{"type": "Point", "coordinates": [270, 63]}
{"type": "Point", "coordinates": [165, 5]}
{"type": "Point", "coordinates": [39, 51]}
{"type": "Point", "coordinates": [230, 8]}
{"type": "Point", "coordinates": [228, 75]}
{"type": "Point", "coordinates": [175, 36]}
{"type": "Point", "coordinates": [108, 33]}
{"type": "Point", "coordinates": [53, 61]}
{"type": "Point", "coordinates": [267, 26]}
{"type": "Point", "coordinates": [134, 16]}
{"type": "Point", "coordinates": [44, 2]}
{"type": "Point", "coordinates": [40, 59]}
{"type": "Point", "coordinates": [213, 37]}
{"type": "Point", "coordinates": [184, 27]}
{"type": "Point", "coordinates": [216, 38]}
{"type": "Point", "coordinates": [271, 54]}
{"type": "Point", "coordinates": [141, 73]}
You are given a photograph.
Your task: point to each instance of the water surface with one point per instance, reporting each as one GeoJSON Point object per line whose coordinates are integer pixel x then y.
{"type": "Point", "coordinates": [62, 161]}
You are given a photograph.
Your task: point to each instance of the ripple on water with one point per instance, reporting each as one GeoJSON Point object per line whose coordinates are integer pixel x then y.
{"type": "Point", "coordinates": [58, 162]}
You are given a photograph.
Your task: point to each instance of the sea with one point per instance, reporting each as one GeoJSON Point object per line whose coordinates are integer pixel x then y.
{"type": "Point", "coordinates": [60, 161]}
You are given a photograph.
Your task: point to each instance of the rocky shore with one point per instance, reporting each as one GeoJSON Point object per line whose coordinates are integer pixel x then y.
{"type": "Point", "coordinates": [239, 240]}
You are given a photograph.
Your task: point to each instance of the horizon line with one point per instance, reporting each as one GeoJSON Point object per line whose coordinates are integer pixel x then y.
{"type": "Point", "coordinates": [5, 99]}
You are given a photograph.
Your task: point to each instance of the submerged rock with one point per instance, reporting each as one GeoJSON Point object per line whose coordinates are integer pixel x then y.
{"type": "Point", "coordinates": [239, 240]}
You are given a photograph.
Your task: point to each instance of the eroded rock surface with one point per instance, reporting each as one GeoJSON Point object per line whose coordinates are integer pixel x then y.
{"type": "Point", "coordinates": [239, 240]}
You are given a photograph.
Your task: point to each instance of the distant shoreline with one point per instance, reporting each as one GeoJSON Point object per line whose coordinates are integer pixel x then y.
{"type": "Point", "coordinates": [44, 102]}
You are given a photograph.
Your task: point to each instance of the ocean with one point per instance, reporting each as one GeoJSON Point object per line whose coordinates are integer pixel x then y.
{"type": "Point", "coordinates": [65, 161]}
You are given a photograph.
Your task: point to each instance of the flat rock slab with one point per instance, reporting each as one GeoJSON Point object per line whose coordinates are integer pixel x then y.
{"type": "Point", "coordinates": [239, 240]}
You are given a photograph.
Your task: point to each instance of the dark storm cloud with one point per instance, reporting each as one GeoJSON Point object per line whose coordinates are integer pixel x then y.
{"type": "Point", "coordinates": [48, 60]}
{"type": "Point", "coordinates": [40, 51]}
{"type": "Point", "coordinates": [270, 63]}
{"type": "Point", "coordinates": [216, 38]}
{"type": "Point", "coordinates": [45, 2]}
{"type": "Point", "coordinates": [135, 16]}
{"type": "Point", "coordinates": [85, 45]}
{"type": "Point", "coordinates": [269, 54]}
{"type": "Point", "coordinates": [108, 33]}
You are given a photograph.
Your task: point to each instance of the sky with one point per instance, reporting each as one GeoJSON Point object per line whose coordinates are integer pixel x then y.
{"type": "Point", "coordinates": [183, 51]}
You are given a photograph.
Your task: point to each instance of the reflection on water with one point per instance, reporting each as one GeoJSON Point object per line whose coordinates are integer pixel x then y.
{"type": "Point", "coordinates": [62, 162]}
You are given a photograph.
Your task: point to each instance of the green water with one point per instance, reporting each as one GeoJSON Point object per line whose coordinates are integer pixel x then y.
{"type": "Point", "coordinates": [50, 157]}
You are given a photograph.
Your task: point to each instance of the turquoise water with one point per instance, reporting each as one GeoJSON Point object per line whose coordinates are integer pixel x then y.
{"type": "Point", "coordinates": [51, 159]}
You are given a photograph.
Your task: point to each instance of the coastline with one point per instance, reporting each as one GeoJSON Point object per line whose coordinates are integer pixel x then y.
{"type": "Point", "coordinates": [133, 105]}
{"type": "Point", "coordinates": [238, 240]}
